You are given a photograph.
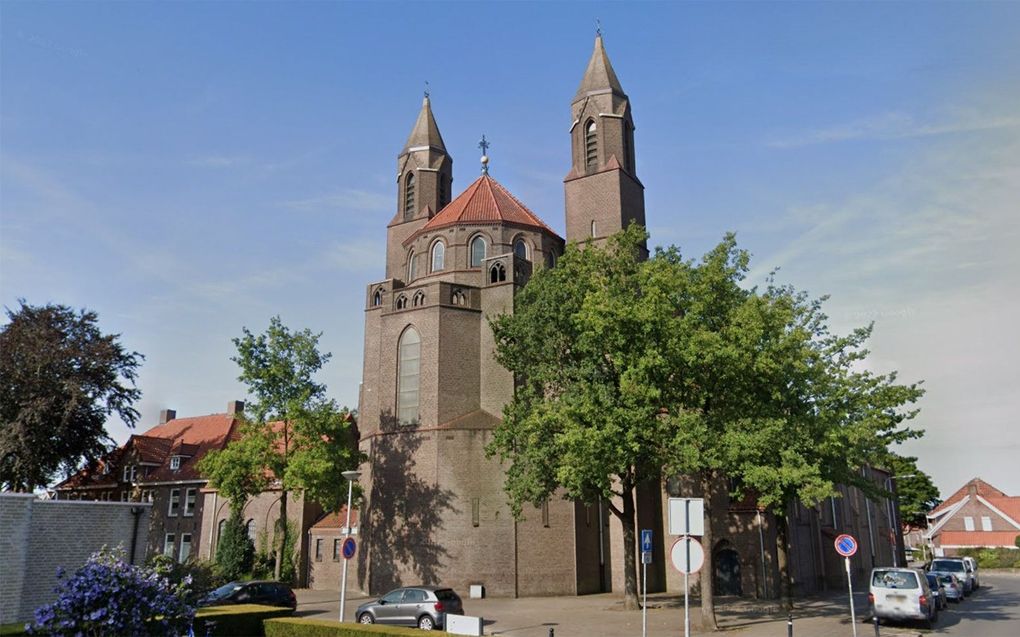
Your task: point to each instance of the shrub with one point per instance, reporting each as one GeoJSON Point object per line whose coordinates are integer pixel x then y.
{"type": "Point", "coordinates": [108, 596]}
{"type": "Point", "coordinates": [300, 627]}
{"type": "Point", "coordinates": [205, 576]}
{"type": "Point", "coordinates": [240, 619]}
{"type": "Point", "coordinates": [235, 551]}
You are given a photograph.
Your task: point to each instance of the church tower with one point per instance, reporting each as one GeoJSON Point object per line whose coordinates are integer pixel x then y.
{"type": "Point", "coordinates": [424, 179]}
{"type": "Point", "coordinates": [603, 193]}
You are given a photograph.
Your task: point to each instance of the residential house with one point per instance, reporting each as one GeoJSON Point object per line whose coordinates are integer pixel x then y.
{"type": "Point", "coordinates": [977, 515]}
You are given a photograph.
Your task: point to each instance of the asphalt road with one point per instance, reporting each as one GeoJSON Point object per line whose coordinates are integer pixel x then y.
{"type": "Point", "coordinates": [992, 611]}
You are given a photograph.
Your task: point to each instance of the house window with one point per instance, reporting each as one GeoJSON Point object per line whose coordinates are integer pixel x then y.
{"type": "Point", "coordinates": [175, 463]}
{"type": "Point", "coordinates": [412, 266]}
{"type": "Point", "coordinates": [189, 501]}
{"type": "Point", "coordinates": [130, 473]}
{"type": "Point", "coordinates": [497, 273]}
{"type": "Point", "coordinates": [409, 196]}
{"type": "Point", "coordinates": [986, 523]}
{"type": "Point", "coordinates": [477, 251]}
{"type": "Point", "coordinates": [185, 547]}
{"type": "Point", "coordinates": [521, 249]}
{"type": "Point", "coordinates": [968, 523]}
{"type": "Point", "coordinates": [175, 502]}
{"type": "Point", "coordinates": [318, 549]}
{"type": "Point", "coordinates": [168, 544]}
{"type": "Point", "coordinates": [336, 550]}
{"type": "Point", "coordinates": [438, 256]}
{"type": "Point", "coordinates": [408, 375]}
{"type": "Point", "coordinates": [591, 146]}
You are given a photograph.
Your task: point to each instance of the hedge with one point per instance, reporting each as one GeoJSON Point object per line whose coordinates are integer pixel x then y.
{"type": "Point", "coordinates": [299, 627]}
{"type": "Point", "coordinates": [239, 619]}
{"type": "Point", "coordinates": [10, 630]}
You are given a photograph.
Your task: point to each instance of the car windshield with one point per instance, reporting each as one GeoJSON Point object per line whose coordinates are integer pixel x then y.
{"type": "Point", "coordinates": [894, 579]}
{"type": "Point", "coordinates": [225, 590]}
{"type": "Point", "coordinates": [951, 566]}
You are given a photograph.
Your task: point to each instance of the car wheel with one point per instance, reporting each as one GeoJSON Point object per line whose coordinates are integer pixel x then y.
{"type": "Point", "coordinates": [426, 623]}
{"type": "Point", "coordinates": [366, 618]}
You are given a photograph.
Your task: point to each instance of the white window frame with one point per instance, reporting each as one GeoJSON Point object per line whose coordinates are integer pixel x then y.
{"type": "Point", "coordinates": [169, 541]}
{"type": "Point", "coordinates": [986, 523]}
{"type": "Point", "coordinates": [181, 555]}
{"type": "Point", "coordinates": [968, 523]}
{"type": "Point", "coordinates": [471, 251]}
{"type": "Point", "coordinates": [437, 254]}
{"type": "Point", "coordinates": [175, 463]}
{"type": "Point", "coordinates": [174, 504]}
{"type": "Point", "coordinates": [190, 497]}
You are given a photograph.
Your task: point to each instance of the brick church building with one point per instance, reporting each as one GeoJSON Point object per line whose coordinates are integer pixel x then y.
{"type": "Point", "coordinates": [432, 393]}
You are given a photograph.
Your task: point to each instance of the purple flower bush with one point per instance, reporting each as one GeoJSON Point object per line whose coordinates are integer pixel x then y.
{"type": "Point", "coordinates": [108, 596]}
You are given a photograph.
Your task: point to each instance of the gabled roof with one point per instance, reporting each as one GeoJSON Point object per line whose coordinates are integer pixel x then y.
{"type": "Point", "coordinates": [425, 131]}
{"type": "Point", "coordinates": [485, 201]}
{"type": "Point", "coordinates": [981, 487]}
{"type": "Point", "coordinates": [337, 520]}
{"type": "Point", "coordinates": [599, 76]}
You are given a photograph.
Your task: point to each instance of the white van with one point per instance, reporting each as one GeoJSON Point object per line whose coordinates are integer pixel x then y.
{"type": "Point", "coordinates": [902, 594]}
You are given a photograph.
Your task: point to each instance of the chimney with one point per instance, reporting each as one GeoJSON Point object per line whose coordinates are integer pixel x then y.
{"type": "Point", "coordinates": [167, 415]}
{"type": "Point", "coordinates": [972, 488]}
{"type": "Point", "coordinates": [235, 407]}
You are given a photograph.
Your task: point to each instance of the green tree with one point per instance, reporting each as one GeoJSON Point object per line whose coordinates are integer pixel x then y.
{"type": "Point", "coordinates": [60, 379]}
{"type": "Point", "coordinates": [235, 551]}
{"type": "Point", "coordinates": [916, 492]}
{"type": "Point", "coordinates": [294, 436]}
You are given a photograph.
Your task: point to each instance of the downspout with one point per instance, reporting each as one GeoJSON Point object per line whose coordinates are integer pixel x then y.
{"type": "Point", "coordinates": [212, 523]}
{"type": "Point", "coordinates": [602, 551]}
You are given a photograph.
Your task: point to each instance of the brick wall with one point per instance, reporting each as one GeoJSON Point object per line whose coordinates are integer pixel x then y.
{"type": "Point", "coordinates": [38, 536]}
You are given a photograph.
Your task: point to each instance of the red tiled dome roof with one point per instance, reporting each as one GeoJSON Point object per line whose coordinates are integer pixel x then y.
{"type": "Point", "coordinates": [484, 201]}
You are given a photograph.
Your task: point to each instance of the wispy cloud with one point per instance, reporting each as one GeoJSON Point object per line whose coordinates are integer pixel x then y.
{"type": "Point", "coordinates": [892, 125]}
{"type": "Point", "coordinates": [347, 200]}
{"type": "Point", "coordinates": [218, 161]}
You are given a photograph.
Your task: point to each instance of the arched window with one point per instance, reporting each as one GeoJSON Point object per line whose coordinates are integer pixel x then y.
{"type": "Point", "coordinates": [459, 298]}
{"type": "Point", "coordinates": [419, 299]}
{"type": "Point", "coordinates": [250, 528]}
{"type": "Point", "coordinates": [412, 266]}
{"type": "Point", "coordinates": [377, 298]}
{"type": "Point", "coordinates": [438, 256]}
{"type": "Point", "coordinates": [408, 375]}
{"type": "Point", "coordinates": [401, 302]}
{"type": "Point", "coordinates": [409, 196]}
{"type": "Point", "coordinates": [521, 249]}
{"type": "Point", "coordinates": [497, 273]}
{"type": "Point", "coordinates": [219, 529]}
{"type": "Point", "coordinates": [477, 251]}
{"type": "Point", "coordinates": [591, 146]}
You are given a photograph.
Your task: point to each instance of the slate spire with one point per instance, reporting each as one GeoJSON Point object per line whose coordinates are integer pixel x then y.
{"type": "Point", "coordinates": [599, 76]}
{"type": "Point", "coordinates": [425, 131]}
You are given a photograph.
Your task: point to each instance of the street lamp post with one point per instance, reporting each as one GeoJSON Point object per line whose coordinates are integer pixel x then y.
{"type": "Point", "coordinates": [351, 477]}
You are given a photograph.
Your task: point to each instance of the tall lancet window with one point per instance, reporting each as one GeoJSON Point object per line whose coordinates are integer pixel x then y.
{"type": "Point", "coordinates": [477, 252]}
{"type": "Point", "coordinates": [408, 376]}
{"type": "Point", "coordinates": [591, 146]}
{"type": "Point", "coordinates": [438, 256]}
{"type": "Point", "coordinates": [412, 266]}
{"type": "Point", "coordinates": [409, 196]}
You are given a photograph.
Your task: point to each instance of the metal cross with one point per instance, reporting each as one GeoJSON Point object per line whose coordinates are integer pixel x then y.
{"type": "Point", "coordinates": [484, 145]}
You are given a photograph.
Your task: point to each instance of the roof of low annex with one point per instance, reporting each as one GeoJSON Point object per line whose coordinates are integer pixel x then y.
{"type": "Point", "coordinates": [485, 201]}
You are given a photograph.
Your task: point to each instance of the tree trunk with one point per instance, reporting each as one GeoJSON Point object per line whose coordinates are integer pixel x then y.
{"type": "Point", "coordinates": [783, 559]}
{"type": "Point", "coordinates": [708, 568]}
{"type": "Point", "coordinates": [281, 547]}
{"type": "Point", "coordinates": [630, 587]}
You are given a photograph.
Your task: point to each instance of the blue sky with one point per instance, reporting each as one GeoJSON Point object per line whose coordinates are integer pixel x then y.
{"type": "Point", "coordinates": [189, 168]}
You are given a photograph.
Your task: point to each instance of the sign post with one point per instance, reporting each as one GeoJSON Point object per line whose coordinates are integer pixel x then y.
{"type": "Point", "coordinates": [646, 559]}
{"type": "Point", "coordinates": [846, 546]}
{"type": "Point", "coordinates": [687, 518]}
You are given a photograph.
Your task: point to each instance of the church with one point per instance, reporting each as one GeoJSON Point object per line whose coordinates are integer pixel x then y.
{"type": "Point", "coordinates": [434, 509]}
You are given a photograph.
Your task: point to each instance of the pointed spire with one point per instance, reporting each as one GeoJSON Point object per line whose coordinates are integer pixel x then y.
{"type": "Point", "coordinates": [599, 76]}
{"type": "Point", "coordinates": [425, 131]}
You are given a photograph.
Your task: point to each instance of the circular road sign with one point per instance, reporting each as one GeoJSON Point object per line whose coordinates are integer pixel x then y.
{"type": "Point", "coordinates": [348, 548]}
{"type": "Point", "coordinates": [846, 545]}
{"type": "Point", "coordinates": [681, 548]}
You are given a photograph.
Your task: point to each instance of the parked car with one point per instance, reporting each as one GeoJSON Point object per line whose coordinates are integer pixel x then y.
{"type": "Point", "coordinates": [262, 592]}
{"type": "Point", "coordinates": [936, 591]}
{"type": "Point", "coordinates": [958, 567]}
{"type": "Point", "coordinates": [974, 568]}
{"type": "Point", "coordinates": [952, 587]}
{"type": "Point", "coordinates": [902, 594]}
{"type": "Point", "coordinates": [423, 606]}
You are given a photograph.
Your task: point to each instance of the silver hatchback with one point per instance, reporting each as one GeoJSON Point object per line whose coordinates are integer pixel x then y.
{"type": "Point", "coordinates": [423, 606]}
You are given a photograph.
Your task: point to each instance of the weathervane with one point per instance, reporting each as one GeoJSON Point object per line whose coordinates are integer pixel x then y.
{"type": "Point", "coordinates": [426, 89]}
{"type": "Point", "coordinates": [484, 145]}
{"type": "Point", "coordinates": [598, 27]}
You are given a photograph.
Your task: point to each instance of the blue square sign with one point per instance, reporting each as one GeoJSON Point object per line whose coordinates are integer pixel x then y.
{"type": "Point", "coordinates": [646, 540]}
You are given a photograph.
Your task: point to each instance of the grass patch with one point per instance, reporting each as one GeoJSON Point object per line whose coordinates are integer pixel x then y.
{"type": "Point", "coordinates": [300, 627]}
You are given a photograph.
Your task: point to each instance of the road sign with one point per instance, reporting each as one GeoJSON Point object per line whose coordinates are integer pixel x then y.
{"type": "Point", "coordinates": [846, 545]}
{"type": "Point", "coordinates": [646, 557]}
{"type": "Point", "coordinates": [646, 540]}
{"type": "Point", "coordinates": [686, 516]}
{"type": "Point", "coordinates": [348, 548]}
{"type": "Point", "coordinates": [687, 555]}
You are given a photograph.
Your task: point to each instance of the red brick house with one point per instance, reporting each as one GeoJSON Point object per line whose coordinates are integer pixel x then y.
{"type": "Point", "coordinates": [977, 516]}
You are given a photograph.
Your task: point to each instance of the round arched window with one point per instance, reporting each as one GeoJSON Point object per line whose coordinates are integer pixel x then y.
{"type": "Point", "coordinates": [438, 256]}
{"type": "Point", "coordinates": [521, 249]}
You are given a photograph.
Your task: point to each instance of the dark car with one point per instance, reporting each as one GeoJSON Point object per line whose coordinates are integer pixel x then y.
{"type": "Point", "coordinates": [423, 606]}
{"type": "Point", "coordinates": [262, 592]}
{"type": "Point", "coordinates": [935, 584]}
